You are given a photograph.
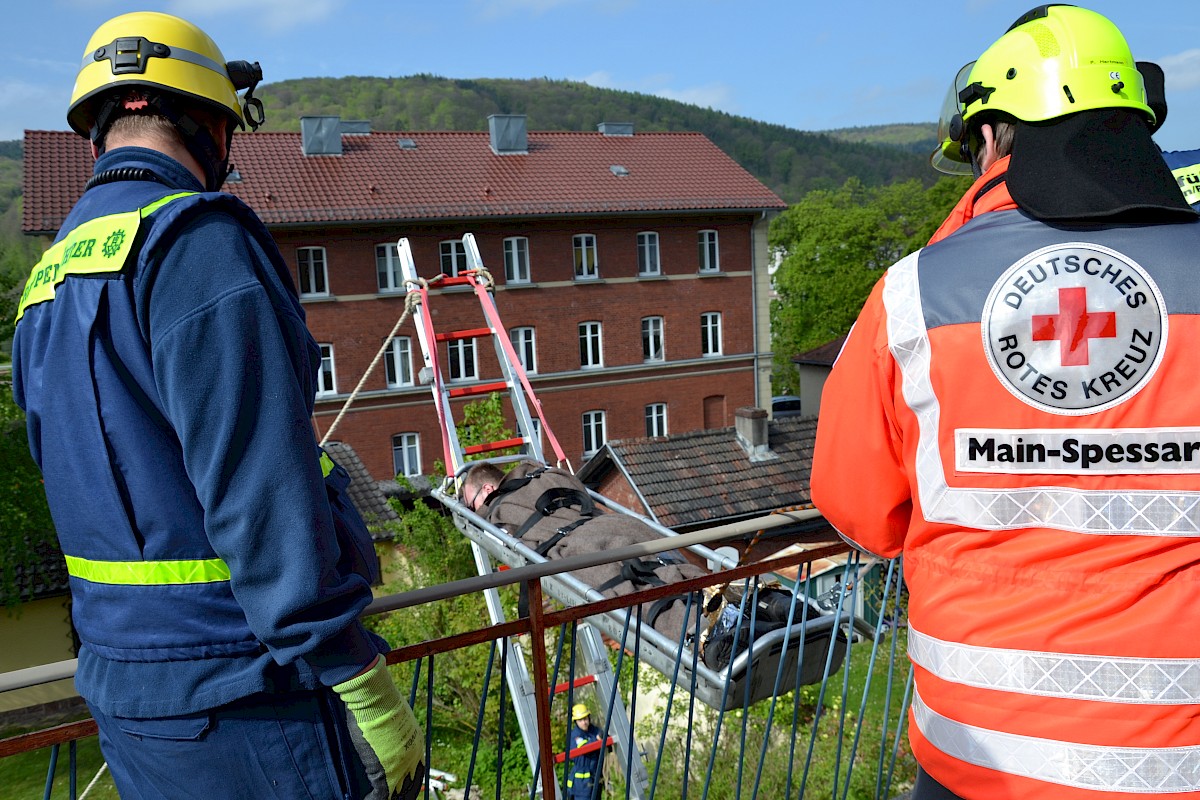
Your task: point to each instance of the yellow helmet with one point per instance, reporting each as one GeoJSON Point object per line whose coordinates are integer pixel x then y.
{"type": "Point", "coordinates": [159, 53]}
{"type": "Point", "coordinates": [1055, 60]}
{"type": "Point", "coordinates": [579, 711]}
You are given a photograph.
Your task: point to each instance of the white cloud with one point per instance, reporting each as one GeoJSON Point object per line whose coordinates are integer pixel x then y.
{"type": "Point", "coordinates": [493, 9]}
{"type": "Point", "coordinates": [274, 15]}
{"type": "Point", "coordinates": [714, 95]}
{"type": "Point", "coordinates": [27, 105]}
{"type": "Point", "coordinates": [1182, 70]}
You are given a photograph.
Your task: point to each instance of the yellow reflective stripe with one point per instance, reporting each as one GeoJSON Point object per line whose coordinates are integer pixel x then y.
{"type": "Point", "coordinates": [1189, 182]}
{"type": "Point", "coordinates": [97, 246]}
{"type": "Point", "coordinates": [327, 464]}
{"type": "Point", "coordinates": [148, 573]}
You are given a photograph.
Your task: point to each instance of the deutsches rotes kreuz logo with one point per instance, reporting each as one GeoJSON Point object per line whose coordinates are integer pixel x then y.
{"type": "Point", "coordinates": [1074, 328]}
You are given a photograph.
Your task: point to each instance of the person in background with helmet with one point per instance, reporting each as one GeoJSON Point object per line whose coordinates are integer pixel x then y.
{"type": "Point", "coordinates": [217, 568]}
{"type": "Point", "coordinates": [584, 781]}
{"type": "Point", "coordinates": [1185, 166]}
{"type": "Point", "coordinates": [1015, 412]}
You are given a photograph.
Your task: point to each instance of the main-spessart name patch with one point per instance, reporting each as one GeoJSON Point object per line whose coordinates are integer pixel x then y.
{"type": "Point", "coordinates": [1074, 328]}
{"type": "Point", "coordinates": [1128, 451]}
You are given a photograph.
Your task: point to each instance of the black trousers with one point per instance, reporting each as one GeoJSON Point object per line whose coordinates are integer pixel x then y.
{"type": "Point", "coordinates": [927, 788]}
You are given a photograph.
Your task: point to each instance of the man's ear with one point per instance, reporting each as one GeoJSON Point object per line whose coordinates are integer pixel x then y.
{"type": "Point", "coordinates": [95, 151]}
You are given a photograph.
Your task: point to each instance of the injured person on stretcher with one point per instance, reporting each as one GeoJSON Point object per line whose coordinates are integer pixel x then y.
{"type": "Point", "coordinates": [550, 511]}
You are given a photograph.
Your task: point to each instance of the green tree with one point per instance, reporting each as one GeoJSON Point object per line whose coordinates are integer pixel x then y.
{"type": "Point", "coordinates": [28, 532]}
{"type": "Point", "coordinates": [835, 245]}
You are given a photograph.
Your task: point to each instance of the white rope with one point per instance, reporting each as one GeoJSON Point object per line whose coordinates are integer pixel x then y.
{"type": "Point", "coordinates": [410, 303]}
{"type": "Point", "coordinates": [103, 767]}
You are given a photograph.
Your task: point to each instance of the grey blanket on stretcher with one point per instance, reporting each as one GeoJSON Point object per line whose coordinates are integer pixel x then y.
{"type": "Point", "coordinates": [551, 513]}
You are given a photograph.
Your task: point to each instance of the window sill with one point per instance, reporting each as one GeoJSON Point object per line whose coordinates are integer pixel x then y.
{"type": "Point", "coordinates": [712, 273]}
{"type": "Point", "coordinates": [317, 298]}
{"type": "Point", "coordinates": [579, 280]}
{"type": "Point", "coordinates": [658, 276]}
{"type": "Point", "coordinates": [521, 285]}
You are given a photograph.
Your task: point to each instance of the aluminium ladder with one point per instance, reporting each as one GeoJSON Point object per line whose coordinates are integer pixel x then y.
{"type": "Point", "coordinates": [515, 385]}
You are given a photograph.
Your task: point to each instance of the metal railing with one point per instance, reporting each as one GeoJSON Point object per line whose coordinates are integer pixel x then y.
{"type": "Point", "coordinates": [841, 737]}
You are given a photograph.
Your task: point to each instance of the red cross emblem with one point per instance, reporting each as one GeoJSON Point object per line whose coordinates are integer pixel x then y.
{"type": "Point", "coordinates": [1074, 326]}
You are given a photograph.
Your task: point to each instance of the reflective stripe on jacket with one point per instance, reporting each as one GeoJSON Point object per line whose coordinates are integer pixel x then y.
{"type": "Point", "coordinates": [1015, 411]}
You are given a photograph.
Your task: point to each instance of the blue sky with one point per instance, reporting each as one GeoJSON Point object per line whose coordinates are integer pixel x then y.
{"type": "Point", "coordinates": [805, 64]}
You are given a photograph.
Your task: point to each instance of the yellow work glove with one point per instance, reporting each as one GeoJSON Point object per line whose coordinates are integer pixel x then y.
{"type": "Point", "coordinates": [385, 733]}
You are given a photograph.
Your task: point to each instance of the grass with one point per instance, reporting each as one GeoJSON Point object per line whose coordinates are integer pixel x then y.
{"type": "Point", "coordinates": [24, 776]}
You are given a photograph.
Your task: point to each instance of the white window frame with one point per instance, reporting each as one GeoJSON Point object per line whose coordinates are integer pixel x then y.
{"type": "Point", "coordinates": [591, 345]}
{"type": "Point", "coordinates": [652, 333]}
{"type": "Point", "coordinates": [462, 361]}
{"type": "Point", "coordinates": [594, 432]}
{"type": "Point", "coordinates": [327, 373]}
{"type": "Point", "coordinates": [710, 251]}
{"type": "Point", "coordinates": [310, 283]}
{"type": "Point", "coordinates": [583, 245]}
{"type": "Point", "coordinates": [388, 275]}
{"type": "Point", "coordinates": [409, 450]}
{"type": "Point", "coordinates": [649, 260]}
{"type": "Point", "coordinates": [453, 255]}
{"type": "Point", "coordinates": [516, 260]}
{"type": "Point", "coordinates": [398, 364]}
{"type": "Point", "coordinates": [711, 343]}
{"type": "Point", "coordinates": [524, 342]}
{"type": "Point", "coordinates": [656, 419]}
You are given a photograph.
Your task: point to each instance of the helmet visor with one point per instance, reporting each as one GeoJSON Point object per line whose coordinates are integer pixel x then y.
{"type": "Point", "coordinates": [947, 157]}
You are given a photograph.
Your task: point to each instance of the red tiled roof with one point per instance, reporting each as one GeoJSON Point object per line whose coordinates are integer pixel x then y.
{"type": "Point", "coordinates": [448, 175]}
{"type": "Point", "coordinates": [706, 476]}
{"type": "Point", "coordinates": [822, 355]}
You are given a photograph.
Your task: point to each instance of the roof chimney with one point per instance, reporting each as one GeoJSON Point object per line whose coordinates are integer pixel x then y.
{"type": "Point", "coordinates": [508, 135]}
{"type": "Point", "coordinates": [321, 136]}
{"type": "Point", "coordinates": [615, 128]}
{"type": "Point", "coordinates": [750, 424]}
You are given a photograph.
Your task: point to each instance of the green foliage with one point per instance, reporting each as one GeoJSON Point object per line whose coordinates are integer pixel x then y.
{"type": "Point", "coordinates": [435, 552]}
{"type": "Point", "coordinates": [24, 775]}
{"type": "Point", "coordinates": [835, 245]}
{"type": "Point", "coordinates": [788, 161]}
{"type": "Point", "coordinates": [27, 529]}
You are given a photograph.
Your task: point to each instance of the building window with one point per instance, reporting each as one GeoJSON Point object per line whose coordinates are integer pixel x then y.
{"type": "Point", "coordinates": [516, 260]}
{"type": "Point", "coordinates": [397, 361]}
{"type": "Point", "coordinates": [710, 254]}
{"type": "Point", "coordinates": [535, 438]}
{"type": "Point", "coordinates": [406, 454]}
{"type": "Point", "coordinates": [454, 258]}
{"type": "Point", "coordinates": [462, 360]}
{"type": "Point", "coordinates": [523, 342]}
{"type": "Point", "coordinates": [593, 432]}
{"type": "Point", "coordinates": [587, 263]}
{"type": "Point", "coordinates": [648, 254]}
{"type": "Point", "coordinates": [313, 278]}
{"type": "Point", "coordinates": [656, 419]}
{"type": "Point", "coordinates": [652, 338]}
{"type": "Point", "coordinates": [387, 268]}
{"type": "Point", "coordinates": [710, 333]}
{"type": "Point", "coordinates": [591, 351]}
{"type": "Point", "coordinates": [326, 378]}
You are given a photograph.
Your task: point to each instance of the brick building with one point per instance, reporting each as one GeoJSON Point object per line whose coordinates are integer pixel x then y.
{"type": "Point", "coordinates": [630, 268]}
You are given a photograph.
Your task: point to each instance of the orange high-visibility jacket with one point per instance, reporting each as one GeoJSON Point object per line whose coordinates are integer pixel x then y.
{"type": "Point", "coordinates": [1017, 411]}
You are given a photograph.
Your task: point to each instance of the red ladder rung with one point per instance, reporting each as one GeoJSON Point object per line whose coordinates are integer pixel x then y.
{"type": "Point", "coordinates": [451, 280]}
{"type": "Point", "coordinates": [575, 684]}
{"type": "Point", "coordinates": [483, 388]}
{"type": "Point", "coordinates": [470, 333]}
{"type": "Point", "coordinates": [491, 447]}
{"type": "Point", "coordinates": [590, 747]}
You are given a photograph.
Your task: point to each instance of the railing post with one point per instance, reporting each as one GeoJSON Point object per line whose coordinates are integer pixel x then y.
{"type": "Point", "coordinates": [541, 687]}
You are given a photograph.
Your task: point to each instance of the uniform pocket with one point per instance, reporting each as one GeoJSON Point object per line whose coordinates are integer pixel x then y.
{"type": "Point", "coordinates": [187, 728]}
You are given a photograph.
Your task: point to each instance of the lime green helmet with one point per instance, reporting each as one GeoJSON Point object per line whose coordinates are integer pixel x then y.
{"type": "Point", "coordinates": [1054, 61]}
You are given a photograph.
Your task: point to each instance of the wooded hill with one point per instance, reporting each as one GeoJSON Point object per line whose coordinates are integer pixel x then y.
{"type": "Point", "coordinates": [789, 161]}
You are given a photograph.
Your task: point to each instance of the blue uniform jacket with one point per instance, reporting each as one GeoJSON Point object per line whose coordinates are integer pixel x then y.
{"type": "Point", "coordinates": [168, 407]}
{"type": "Point", "coordinates": [585, 768]}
